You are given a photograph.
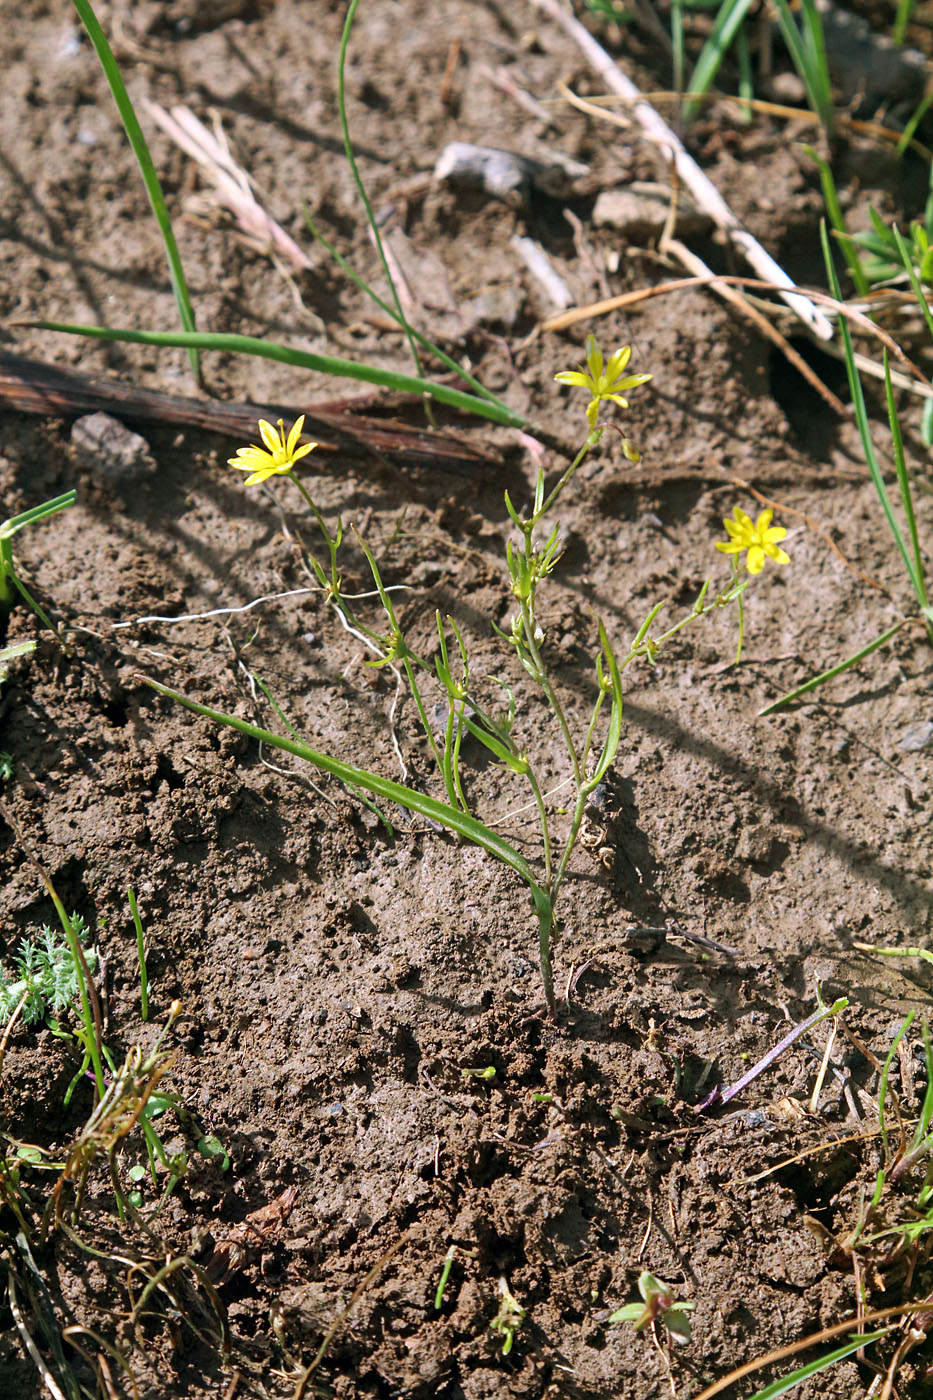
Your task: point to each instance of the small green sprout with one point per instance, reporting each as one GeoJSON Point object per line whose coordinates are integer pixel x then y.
{"type": "Point", "coordinates": [604, 383]}
{"type": "Point", "coordinates": [488, 1073]}
{"type": "Point", "coordinates": [445, 1275]}
{"type": "Point", "coordinates": [759, 539]}
{"type": "Point", "coordinates": [658, 1305]}
{"type": "Point", "coordinates": [509, 1318]}
{"type": "Point", "coordinates": [283, 452]}
{"type": "Point", "coordinates": [10, 582]}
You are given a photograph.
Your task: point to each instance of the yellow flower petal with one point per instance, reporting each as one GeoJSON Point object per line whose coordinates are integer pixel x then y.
{"type": "Point", "coordinates": [294, 435]}
{"type": "Point", "coordinates": [269, 435]}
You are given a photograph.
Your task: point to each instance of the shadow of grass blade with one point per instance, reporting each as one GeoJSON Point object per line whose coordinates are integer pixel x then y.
{"type": "Point", "coordinates": [147, 169]}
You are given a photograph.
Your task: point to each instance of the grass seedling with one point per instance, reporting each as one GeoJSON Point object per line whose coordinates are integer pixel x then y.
{"type": "Point", "coordinates": [140, 957]}
{"type": "Point", "coordinates": [532, 552]}
{"type": "Point", "coordinates": [727, 30]}
{"type": "Point", "coordinates": [807, 48]}
{"type": "Point", "coordinates": [509, 1318]}
{"type": "Point", "coordinates": [448, 1264]}
{"type": "Point", "coordinates": [147, 169]}
{"type": "Point", "coordinates": [907, 545]}
{"type": "Point", "coordinates": [480, 402]}
{"type": "Point", "coordinates": [10, 581]}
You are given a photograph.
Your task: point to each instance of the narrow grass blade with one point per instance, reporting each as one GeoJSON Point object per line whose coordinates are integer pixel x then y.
{"type": "Point", "coordinates": [390, 310]}
{"type": "Point", "coordinates": [611, 746]}
{"type": "Point", "coordinates": [861, 418]}
{"type": "Point", "coordinates": [822, 1363]}
{"type": "Point", "coordinates": [731, 15]}
{"type": "Point", "coordinates": [140, 956]}
{"type": "Point", "coordinates": [903, 481]}
{"type": "Point", "coordinates": [825, 676]}
{"type": "Point", "coordinates": [304, 359]}
{"type": "Point", "coordinates": [808, 55]}
{"type": "Point", "coordinates": [450, 817]}
{"type": "Point", "coordinates": [901, 20]}
{"type": "Point", "coordinates": [29, 517]}
{"type": "Point", "coordinates": [358, 180]}
{"type": "Point", "coordinates": [144, 160]}
{"type": "Point", "coordinates": [903, 248]}
{"type": "Point", "coordinates": [848, 245]}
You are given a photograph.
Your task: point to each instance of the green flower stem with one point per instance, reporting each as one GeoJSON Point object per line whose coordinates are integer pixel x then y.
{"type": "Point", "coordinates": [576, 821]}
{"type": "Point", "coordinates": [591, 730]}
{"type": "Point", "coordinates": [545, 830]}
{"type": "Point", "coordinates": [591, 441]}
{"type": "Point", "coordinates": [448, 816]}
{"type": "Point", "coordinates": [553, 699]}
{"type": "Point", "coordinates": [643, 647]}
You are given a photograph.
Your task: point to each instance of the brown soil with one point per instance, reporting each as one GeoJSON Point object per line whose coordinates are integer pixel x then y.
{"type": "Point", "coordinates": [337, 982]}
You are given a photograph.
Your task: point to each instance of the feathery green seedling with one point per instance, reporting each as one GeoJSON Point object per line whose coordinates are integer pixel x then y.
{"type": "Point", "coordinates": [908, 545]}
{"type": "Point", "coordinates": [45, 978]}
{"type": "Point", "coordinates": [10, 581]}
{"type": "Point", "coordinates": [532, 553]}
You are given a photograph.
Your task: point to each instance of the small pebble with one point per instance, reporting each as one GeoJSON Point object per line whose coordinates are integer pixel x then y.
{"type": "Point", "coordinates": [916, 737]}
{"type": "Point", "coordinates": [108, 447]}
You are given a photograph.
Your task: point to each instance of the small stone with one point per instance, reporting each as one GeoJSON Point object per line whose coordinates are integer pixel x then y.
{"type": "Point", "coordinates": [916, 737]}
{"type": "Point", "coordinates": [640, 211]}
{"type": "Point", "coordinates": [108, 447]}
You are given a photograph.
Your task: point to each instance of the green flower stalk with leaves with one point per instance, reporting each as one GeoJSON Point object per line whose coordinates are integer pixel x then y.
{"type": "Point", "coordinates": [532, 553]}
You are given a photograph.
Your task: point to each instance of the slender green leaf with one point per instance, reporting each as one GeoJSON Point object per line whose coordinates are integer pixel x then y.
{"type": "Point", "coordinates": [35, 513]}
{"type": "Point", "coordinates": [836, 218]}
{"type": "Point", "coordinates": [825, 676]}
{"type": "Point", "coordinates": [822, 1363]}
{"type": "Point", "coordinates": [147, 168]}
{"type": "Point", "coordinates": [731, 15]}
{"type": "Point", "coordinates": [358, 180]}
{"type": "Point", "coordinates": [903, 481]}
{"type": "Point", "coordinates": [861, 418]}
{"type": "Point", "coordinates": [390, 310]}
{"type": "Point", "coordinates": [304, 359]}
{"type": "Point", "coordinates": [450, 817]}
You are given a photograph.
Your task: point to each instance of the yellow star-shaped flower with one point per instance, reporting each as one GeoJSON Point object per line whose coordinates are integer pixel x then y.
{"type": "Point", "coordinates": [759, 538]}
{"type": "Point", "coordinates": [603, 382]}
{"type": "Point", "coordinates": [281, 456]}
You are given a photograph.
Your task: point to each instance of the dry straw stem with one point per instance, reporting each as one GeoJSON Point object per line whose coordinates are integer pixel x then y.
{"type": "Point", "coordinates": [802, 115]}
{"type": "Point", "coordinates": [232, 185]}
{"type": "Point", "coordinates": [916, 382]}
{"type": "Point", "coordinates": [702, 190]}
